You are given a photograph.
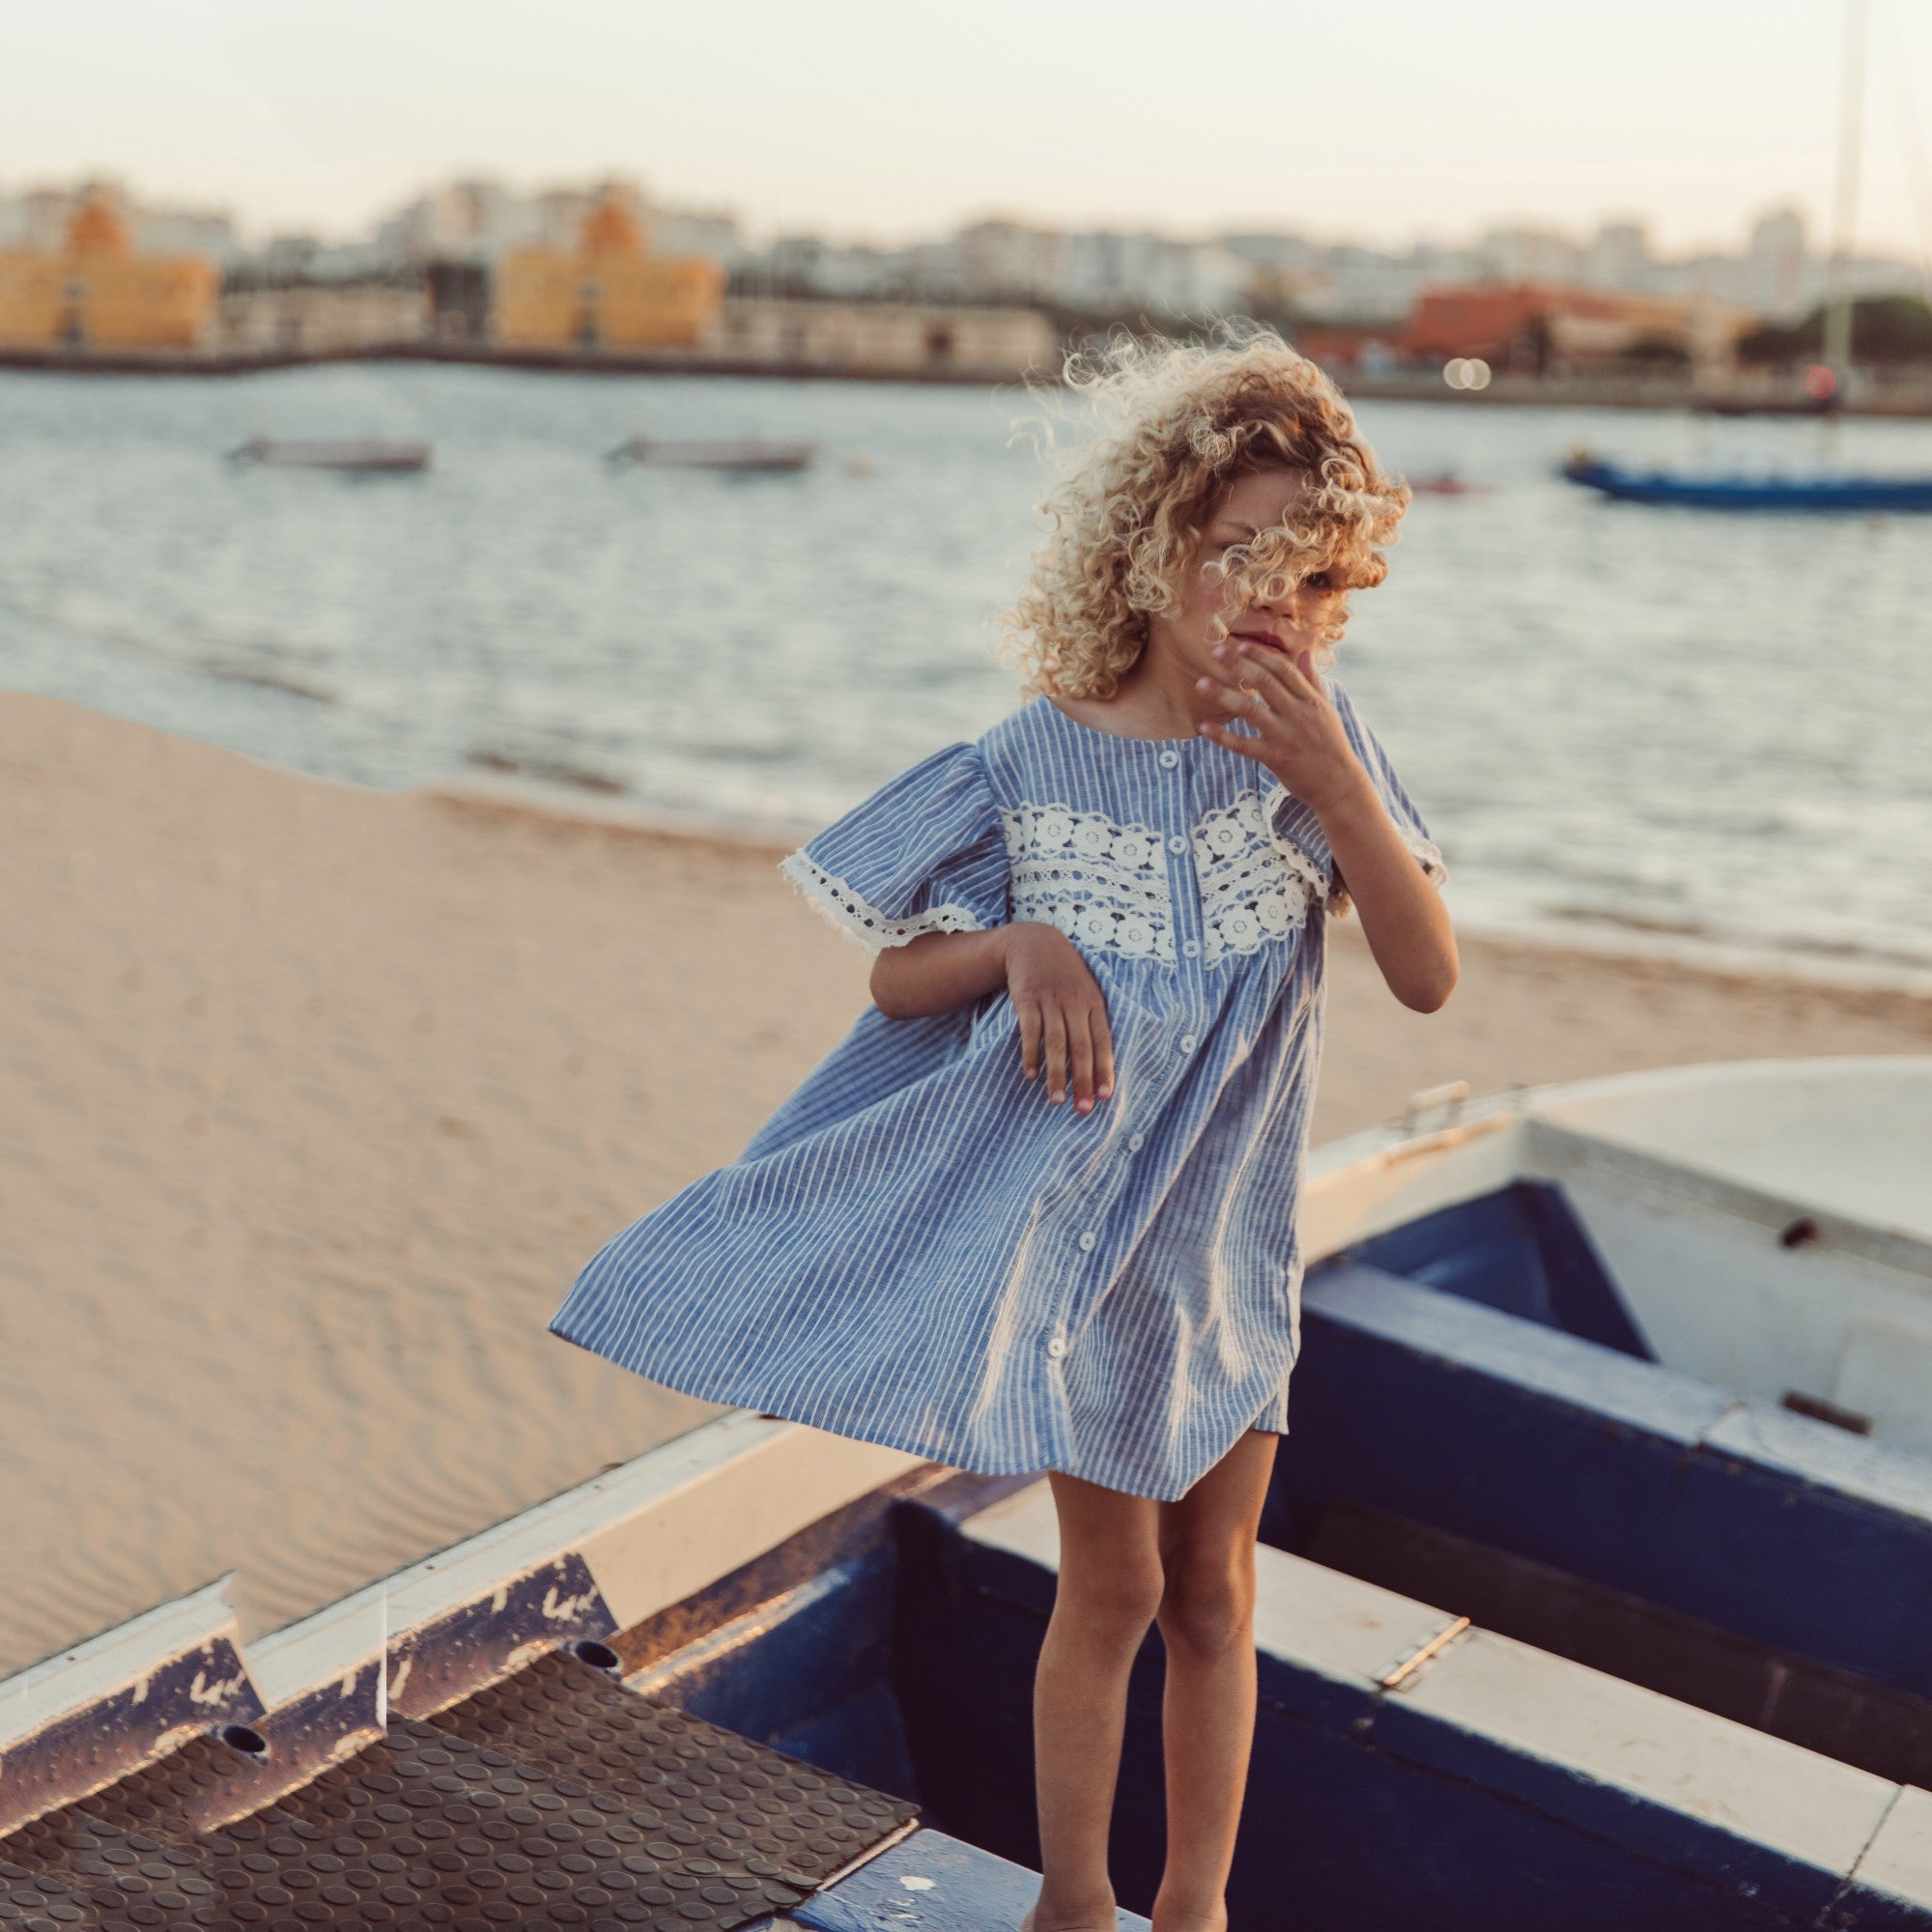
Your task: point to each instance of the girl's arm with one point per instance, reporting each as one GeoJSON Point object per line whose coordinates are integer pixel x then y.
{"type": "Point", "coordinates": [1063, 1013]}
{"type": "Point", "coordinates": [1404, 918]}
{"type": "Point", "coordinates": [1301, 739]}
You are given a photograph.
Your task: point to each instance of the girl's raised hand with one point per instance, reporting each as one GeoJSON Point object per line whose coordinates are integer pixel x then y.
{"type": "Point", "coordinates": [1298, 733]}
{"type": "Point", "coordinates": [1063, 1014]}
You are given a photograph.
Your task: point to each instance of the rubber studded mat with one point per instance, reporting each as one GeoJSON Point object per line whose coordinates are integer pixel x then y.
{"type": "Point", "coordinates": [553, 1799]}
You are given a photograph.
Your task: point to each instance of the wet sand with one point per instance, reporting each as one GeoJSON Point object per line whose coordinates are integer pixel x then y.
{"type": "Point", "coordinates": [313, 1099]}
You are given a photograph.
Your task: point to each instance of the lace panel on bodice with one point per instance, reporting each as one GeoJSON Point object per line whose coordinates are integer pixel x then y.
{"type": "Point", "coordinates": [1104, 885]}
{"type": "Point", "coordinates": [1254, 888]}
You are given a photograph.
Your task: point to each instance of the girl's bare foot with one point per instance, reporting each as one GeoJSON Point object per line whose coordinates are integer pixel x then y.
{"type": "Point", "coordinates": [1089, 1919]}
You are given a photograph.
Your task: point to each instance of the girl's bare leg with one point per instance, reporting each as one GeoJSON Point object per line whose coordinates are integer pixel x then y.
{"type": "Point", "coordinates": [1110, 1587]}
{"type": "Point", "coordinates": [1206, 1614]}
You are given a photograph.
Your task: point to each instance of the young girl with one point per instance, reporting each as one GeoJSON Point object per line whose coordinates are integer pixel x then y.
{"type": "Point", "coordinates": [1037, 1210]}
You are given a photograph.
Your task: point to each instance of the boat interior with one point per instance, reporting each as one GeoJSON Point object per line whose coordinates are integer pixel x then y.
{"type": "Point", "coordinates": [1594, 1590]}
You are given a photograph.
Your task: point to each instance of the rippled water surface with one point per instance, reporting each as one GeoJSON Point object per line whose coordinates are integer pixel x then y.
{"type": "Point", "coordinates": [1616, 718]}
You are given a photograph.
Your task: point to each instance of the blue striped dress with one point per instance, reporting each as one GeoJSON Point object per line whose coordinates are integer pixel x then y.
{"type": "Point", "coordinates": [917, 1249]}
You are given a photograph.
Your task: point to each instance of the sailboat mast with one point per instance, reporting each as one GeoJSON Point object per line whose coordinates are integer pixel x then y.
{"type": "Point", "coordinates": [1845, 202]}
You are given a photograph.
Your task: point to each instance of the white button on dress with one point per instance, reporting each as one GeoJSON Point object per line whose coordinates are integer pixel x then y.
{"type": "Point", "coordinates": [1177, 844]}
{"type": "Point", "coordinates": [1170, 759]}
{"type": "Point", "coordinates": [1188, 1043]}
{"type": "Point", "coordinates": [1191, 949]}
{"type": "Point", "coordinates": [1087, 1239]}
{"type": "Point", "coordinates": [1135, 1142]}
{"type": "Point", "coordinates": [1056, 1347]}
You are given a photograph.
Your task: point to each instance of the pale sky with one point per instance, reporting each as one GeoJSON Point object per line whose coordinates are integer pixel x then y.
{"type": "Point", "coordinates": [888, 119]}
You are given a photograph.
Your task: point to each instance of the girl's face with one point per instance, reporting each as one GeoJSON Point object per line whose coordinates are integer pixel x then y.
{"type": "Point", "coordinates": [1295, 625]}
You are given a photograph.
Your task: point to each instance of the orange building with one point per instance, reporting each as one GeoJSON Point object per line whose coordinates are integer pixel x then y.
{"type": "Point", "coordinates": [97, 293]}
{"type": "Point", "coordinates": [1532, 327]}
{"type": "Point", "coordinates": [612, 293]}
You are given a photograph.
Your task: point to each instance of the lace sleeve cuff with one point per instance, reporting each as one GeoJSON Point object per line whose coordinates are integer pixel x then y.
{"type": "Point", "coordinates": [1427, 855]}
{"type": "Point", "coordinates": [1300, 839]}
{"type": "Point", "coordinates": [862, 923]}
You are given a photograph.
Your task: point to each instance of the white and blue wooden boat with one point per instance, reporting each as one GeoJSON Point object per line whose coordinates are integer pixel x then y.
{"type": "Point", "coordinates": [1596, 1592]}
{"type": "Point", "coordinates": [1856, 495]}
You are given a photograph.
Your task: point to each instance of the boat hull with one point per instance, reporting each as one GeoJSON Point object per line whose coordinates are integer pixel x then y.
{"type": "Point", "coordinates": [745, 458]}
{"type": "Point", "coordinates": [359, 457]}
{"type": "Point", "coordinates": [1852, 495]}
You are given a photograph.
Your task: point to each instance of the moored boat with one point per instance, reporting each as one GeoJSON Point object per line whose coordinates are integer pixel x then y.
{"type": "Point", "coordinates": [746, 455]}
{"type": "Point", "coordinates": [1568, 1612]}
{"type": "Point", "coordinates": [1446, 483]}
{"type": "Point", "coordinates": [362, 454]}
{"type": "Point", "coordinates": [1866, 495]}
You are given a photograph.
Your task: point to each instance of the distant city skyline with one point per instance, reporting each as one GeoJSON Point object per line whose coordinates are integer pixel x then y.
{"type": "Point", "coordinates": [1409, 122]}
{"type": "Point", "coordinates": [1776, 269]}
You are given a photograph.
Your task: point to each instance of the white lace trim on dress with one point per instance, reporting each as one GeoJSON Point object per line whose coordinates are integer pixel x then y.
{"type": "Point", "coordinates": [1255, 887]}
{"type": "Point", "coordinates": [864, 923]}
{"type": "Point", "coordinates": [1332, 892]}
{"type": "Point", "coordinates": [1104, 885]}
{"type": "Point", "coordinates": [1427, 855]}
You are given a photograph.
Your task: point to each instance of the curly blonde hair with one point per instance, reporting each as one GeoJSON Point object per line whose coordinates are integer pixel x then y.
{"type": "Point", "coordinates": [1178, 424]}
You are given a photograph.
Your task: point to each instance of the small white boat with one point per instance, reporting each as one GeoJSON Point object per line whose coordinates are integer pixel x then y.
{"type": "Point", "coordinates": [746, 455]}
{"type": "Point", "coordinates": [362, 454]}
{"type": "Point", "coordinates": [1764, 1226]}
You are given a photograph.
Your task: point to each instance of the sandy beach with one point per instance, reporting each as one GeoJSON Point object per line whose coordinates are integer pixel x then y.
{"type": "Point", "coordinates": [315, 1097]}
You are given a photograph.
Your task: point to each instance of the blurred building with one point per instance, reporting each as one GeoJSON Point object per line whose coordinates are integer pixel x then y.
{"type": "Point", "coordinates": [36, 219]}
{"type": "Point", "coordinates": [1098, 271]}
{"type": "Point", "coordinates": [1617, 257]}
{"type": "Point", "coordinates": [1776, 278]}
{"type": "Point", "coordinates": [699, 231]}
{"type": "Point", "coordinates": [885, 339]}
{"type": "Point", "coordinates": [1111, 270]}
{"type": "Point", "coordinates": [1356, 285]}
{"type": "Point", "coordinates": [97, 290]}
{"type": "Point", "coordinates": [1523, 254]}
{"type": "Point", "coordinates": [321, 317]}
{"type": "Point", "coordinates": [607, 291]}
{"type": "Point", "coordinates": [1535, 328]}
{"type": "Point", "coordinates": [462, 220]}
{"type": "Point", "coordinates": [1349, 350]}
{"type": "Point", "coordinates": [1004, 260]}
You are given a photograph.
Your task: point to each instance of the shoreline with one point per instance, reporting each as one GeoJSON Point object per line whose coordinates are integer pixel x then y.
{"type": "Point", "coordinates": [1418, 387]}
{"type": "Point", "coordinates": [318, 1096]}
{"type": "Point", "coordinates": [1602, 938]}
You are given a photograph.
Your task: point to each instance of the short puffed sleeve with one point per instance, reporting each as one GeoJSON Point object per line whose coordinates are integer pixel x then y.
{"type": "Point", "coordinates": [926, 853]}
{"type": "Point", "coordinates": [1297, 830]}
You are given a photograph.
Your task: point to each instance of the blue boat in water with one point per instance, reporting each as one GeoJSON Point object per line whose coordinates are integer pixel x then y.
{"type": "Point", "coordinates": [1594, 1592]}
{"type": "Point", "coordinates": [1856, 495]}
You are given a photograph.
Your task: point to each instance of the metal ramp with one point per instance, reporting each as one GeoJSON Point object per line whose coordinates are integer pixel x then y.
{"type": "Point", "coordinates": [553, 1797]}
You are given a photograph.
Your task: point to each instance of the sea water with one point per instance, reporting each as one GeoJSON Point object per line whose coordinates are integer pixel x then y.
{"type": "Point", "coordinates": [1622, 720]}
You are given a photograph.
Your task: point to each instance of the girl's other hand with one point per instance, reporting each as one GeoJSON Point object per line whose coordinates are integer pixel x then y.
{"type": "Point", "coordinates": [1063, 1014]}
{"type": "Point", "coordinates": [1298, 733]}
